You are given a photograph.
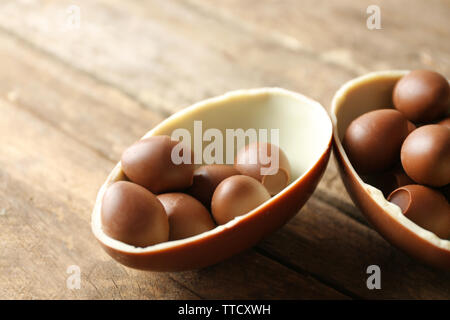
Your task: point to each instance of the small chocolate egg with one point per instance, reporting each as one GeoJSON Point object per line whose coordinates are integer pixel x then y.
{"type": "Point", "coordinates": [425, 155]}
{"type": "Point", "coordinates": [206, 179]}
{"type": "Point", "coordinates": [132, 214]}
{"type": "Point", "coordinates": [236, 196]}
{"type": "Point", "coordinates": [187, 216]}
{"type": "Point", "coordinates": [390, 180]}
{"type": "Point", "coordinates": [445, 122]}
{"type": "Point", "coordinates": [266, 163]}
{"type": "Point", "coordinates": [424, 206]}
{"type": "Point", "coordinates": [373, 140]}
{"type": "Point", "coordinates": [149, 163]}
{"type": "Point", "coordinates": [422, 96]}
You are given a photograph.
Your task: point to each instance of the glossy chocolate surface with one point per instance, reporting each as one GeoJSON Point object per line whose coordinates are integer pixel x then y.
{"type": "Point", "coordinates": [187, 216]}
{"type": "Point", "coordinates": [422, 96]}
{"type": "Point", "coordinates": [132, 214]}
{"type": "Point", "coordinates": [148, 163]}
{"type": "Point", "coordinates": [364, 94]}
{"type": "Point", "coordinates": [425, 206]}
{"type": "Point", "coordinates": [235, 196]}
{"type": "Point", "coordinates": [373, 140]}
{"type": "Point", "coordinates": [425, 155]}
{"type": "Point", "coordinates": [309, 160]}
{"type": "Point", "coordinates": [255, 157]}
{"type": "Point", "coordinates": [445, 122]}
{"type": "Point", "coordinates": [206, 180]}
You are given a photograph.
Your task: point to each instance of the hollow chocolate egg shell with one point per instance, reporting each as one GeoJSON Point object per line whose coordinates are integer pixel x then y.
{"type": "Point", "coordinates": [360, 95]}
{"type": "Point", "coordinates": [425, 206]}
{"type": "Point", "coordinates": [307, 146]}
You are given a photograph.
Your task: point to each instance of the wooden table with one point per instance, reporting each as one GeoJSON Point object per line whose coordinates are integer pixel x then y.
{"type": "Point", "coordinates": [72, 97]}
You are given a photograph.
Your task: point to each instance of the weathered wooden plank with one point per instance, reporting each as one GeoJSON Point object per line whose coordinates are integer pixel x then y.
{"type": "Point", "coordinates": [169, 54]}
{"type": "Point", "coordinates": [172, 54]}
{"type": "Point", "coordinates": [411, 36]}
{"type": "Point", "coordinates": [49, 195]}
{"type": "Point", "coordinates": [92, 172]}
{"type": "Point", "coordinates": [252, 275]}
{"type": "Point", "coordinates": [243, 56]}
{"type": "Point", "coordinates": [46, 227]}
{"type": "Point", "coordinates": [81, 107]}
{"type": "Point", "coordinates": [338, 250]}
{"type": "Point", "coordinates": [45, 200]}
{"type": "Point", "coordinates": [208, 50]}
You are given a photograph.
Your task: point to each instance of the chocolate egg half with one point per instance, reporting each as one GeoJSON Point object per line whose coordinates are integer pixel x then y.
{"type": "Point", "coordinates": [424, 206]}
{"type": "Point", "coordinates": [373, 140]}
{"type": "Point", "coordinates": [132, 214]}
{"type": "Point", "coordinates": [187, 216]}
{"type": "Point", "coordinates": [150, 163]}
{"type": "Point", "coordinates": [422, 96]}
{"type": "Point", "coordinates": [266, 163]}
{"type": "Point", "coordinates": [425, 155]}
{"type": "Point", "coordinates": [236, 196]}
{"type": "Point", "coordinates": [207, 178]}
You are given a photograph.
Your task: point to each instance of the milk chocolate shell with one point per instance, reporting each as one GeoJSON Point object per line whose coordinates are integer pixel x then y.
{"type": "Point", "coordinates": [305, 136]}
{"type": "Point", "coordinates": [371, 92]}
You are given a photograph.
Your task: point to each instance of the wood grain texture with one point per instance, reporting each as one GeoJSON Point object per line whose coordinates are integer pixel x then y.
{"type": "Point", "coordinates": [173, 53]}
{"type": "Point", "coordinates": [50, 176]}
{"type": "Point", "coordinates": [195, 56]}
{"type": "Point", "coordinates": [72, 100]}
{"type": "Point", "coordinates": [337, 250]}
{"type": "Point", "coordinates": [411, 37]}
